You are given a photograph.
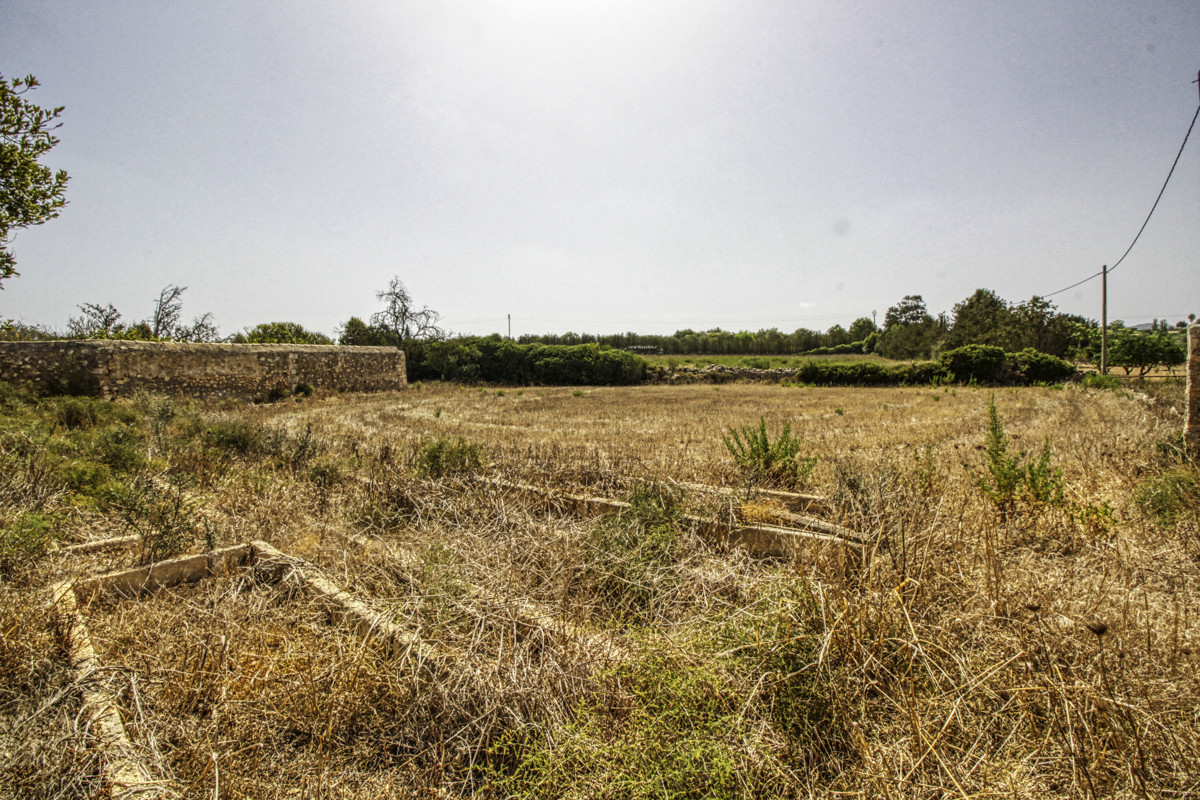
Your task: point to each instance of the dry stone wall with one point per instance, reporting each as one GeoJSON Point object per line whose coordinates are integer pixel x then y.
{"type": "Point", "coordinates": [210, 371]}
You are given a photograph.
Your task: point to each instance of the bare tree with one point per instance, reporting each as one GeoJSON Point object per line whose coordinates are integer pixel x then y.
{"type": "Point", "coordinates": [97, 321]}
{"type": "Point", "coordinates": [167, 310]}
{"type": "Point", "coordinates": [202, 329]}
{"type": "Point", "coordinates": [401, 317]}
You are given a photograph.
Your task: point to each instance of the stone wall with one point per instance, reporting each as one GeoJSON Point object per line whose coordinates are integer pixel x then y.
{"type": "Point", "coordinates": [210, 371]}
{"type": "Point", "coordinates": [1191, 426]}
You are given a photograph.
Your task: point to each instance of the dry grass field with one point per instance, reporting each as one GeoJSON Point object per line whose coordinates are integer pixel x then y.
{"type": "Point", "coordinates": [1043, 642]}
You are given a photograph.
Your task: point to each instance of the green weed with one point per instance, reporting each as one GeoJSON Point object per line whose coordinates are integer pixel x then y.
{"type": "Point", "coordinates": [167, 521]}
{"type": "Point", "coordinates": [1095, 380]}
{"type": "Point", "coordinates": [1009, 478]}
{"type": "Point", "coordinates": [630, 556]}
{"type": "Point", "coordinates": [23, 542]}
{"type": "Point", "coordinates": [761, 460]}
{"type": "Point", "coordinates": [446, 456]}
{"type": "Point", "coordinates": [1170, 495]}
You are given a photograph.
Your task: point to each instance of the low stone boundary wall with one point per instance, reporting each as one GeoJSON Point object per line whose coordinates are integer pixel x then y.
{"type": "Point", "coordinates": [209, 371]}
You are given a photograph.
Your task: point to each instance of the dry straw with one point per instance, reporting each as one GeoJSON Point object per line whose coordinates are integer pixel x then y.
{"type": "Point", "coordinates": [1052, 651]}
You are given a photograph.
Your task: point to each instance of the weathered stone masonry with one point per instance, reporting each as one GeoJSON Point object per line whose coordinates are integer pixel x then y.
{"type": "Point", "coordinates": [210, 371]}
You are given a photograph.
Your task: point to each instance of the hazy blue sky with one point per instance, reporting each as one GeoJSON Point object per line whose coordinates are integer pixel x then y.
{"type": "Point", "coordinates": [609, 165]}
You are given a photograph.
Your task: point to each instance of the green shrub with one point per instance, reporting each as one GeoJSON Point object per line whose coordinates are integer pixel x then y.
{"type": "Point", "coordinates": [122, 448]}
{"type": "Point", "coordinates": [16, 397]}
{"type": "Point", "coordinates": [1095, 380]}
{"type": "Point", "coordinates": [850, 348]}
{"type": "Point", "coordinates": [761, 460]}
{"type": "Point", "coordinates": [445, 456]}
{"type": "Point", "coordinates": [86, 477]}
{"type": "Point", "coordinates": [866, 373]}
{"type": "Point", "coordinates": [167, 521]}
{"type": "Point", "coordinates": [974, 362]}
{"type": "Point", "coordinates": [326, 474]}
{"type": "Point", "coordinates": [497, 360]}
{"type": "Point", "coordinates": [1038, 367]}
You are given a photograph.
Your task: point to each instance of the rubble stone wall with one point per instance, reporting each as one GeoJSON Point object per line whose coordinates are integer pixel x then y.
{"type": "Point", "coordinates": [209, 371]}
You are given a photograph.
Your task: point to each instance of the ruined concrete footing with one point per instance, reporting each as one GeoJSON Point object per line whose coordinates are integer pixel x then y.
{"type": "Point", "coordinates": [124, 771]}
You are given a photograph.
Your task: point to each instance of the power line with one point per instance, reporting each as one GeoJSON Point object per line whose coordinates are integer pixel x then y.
{"type": "Point", "coordinates": [1147, 220]}
{"type": "Point", "coordinates": [1073, 285]}
{"type": "Point", "coordinates": [1160, 191]}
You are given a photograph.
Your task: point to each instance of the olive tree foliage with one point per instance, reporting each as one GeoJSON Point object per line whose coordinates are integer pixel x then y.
{"type": "Point", "coordinates": [1132, 350]}
{"type": "Point", "coordinates": [30, 193]}
{"type": "Point", "coordinates": [401, 317]}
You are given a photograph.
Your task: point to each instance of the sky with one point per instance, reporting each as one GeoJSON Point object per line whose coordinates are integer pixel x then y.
{"type": "Point", "coordinates": [604, 166]}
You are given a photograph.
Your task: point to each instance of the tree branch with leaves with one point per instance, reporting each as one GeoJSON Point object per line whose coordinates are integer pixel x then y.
{"type": "Point", "coordinates": [30, 193]}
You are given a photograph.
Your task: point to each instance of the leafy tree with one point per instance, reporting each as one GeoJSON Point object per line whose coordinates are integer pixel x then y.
{"type": "Point", "coordinates": [1042, 327]}
{"type": "Point", "coordinates": [356, 333]}
{"type": "Point", "coordinates": [983, 318]}
{"type": "Point", "coordinates": [1130, 350]}
{"type": "Point", "coordinates": [861, 328]}
{"type": "Point", "coordinates": [29, 193]}
{"type": "Point", "coordinates": [909, 311]}
{"type": "Point", "coordinates": [908, 331]}
{"type": "Point", "coordinates": [280, 333]}
{"type": "Point", "coordinates": [838, 335]}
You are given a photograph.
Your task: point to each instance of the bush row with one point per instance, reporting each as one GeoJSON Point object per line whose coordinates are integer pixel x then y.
{"type": "Point", "coordinates": [495, 360]}
{"type": "Point", "coordinates": [975, 362]}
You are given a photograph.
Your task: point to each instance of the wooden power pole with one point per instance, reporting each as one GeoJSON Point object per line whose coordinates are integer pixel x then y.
{"type": "Point", "coordinates": [1104, 320]}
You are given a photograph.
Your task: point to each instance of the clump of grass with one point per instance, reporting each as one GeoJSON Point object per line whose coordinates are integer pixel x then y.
{"type": "Point", "coordinates": [629, 557]}
{"type": "Point", "coordinates": [23, 542]}
{"type": "Point", "coordinates": [761, 460]}
{"type": "Point", "coordinates": [1170, 495]}
{"type": "Point", "coordinates": [75, 413]}
{"type": "Point", "coordinates": [1095, 380]}
{"type": "Point", "coordinates": [449, 456]}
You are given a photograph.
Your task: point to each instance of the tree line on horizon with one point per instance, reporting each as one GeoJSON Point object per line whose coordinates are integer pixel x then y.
{"type": "Point", "coordinates": [909, 333]}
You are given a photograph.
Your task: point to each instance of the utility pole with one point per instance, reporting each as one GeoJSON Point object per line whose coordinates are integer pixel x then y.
{"type": "Point", "coordinates": [1104, 320]}
{"type": "Point", "coordinates": [510, 327]}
